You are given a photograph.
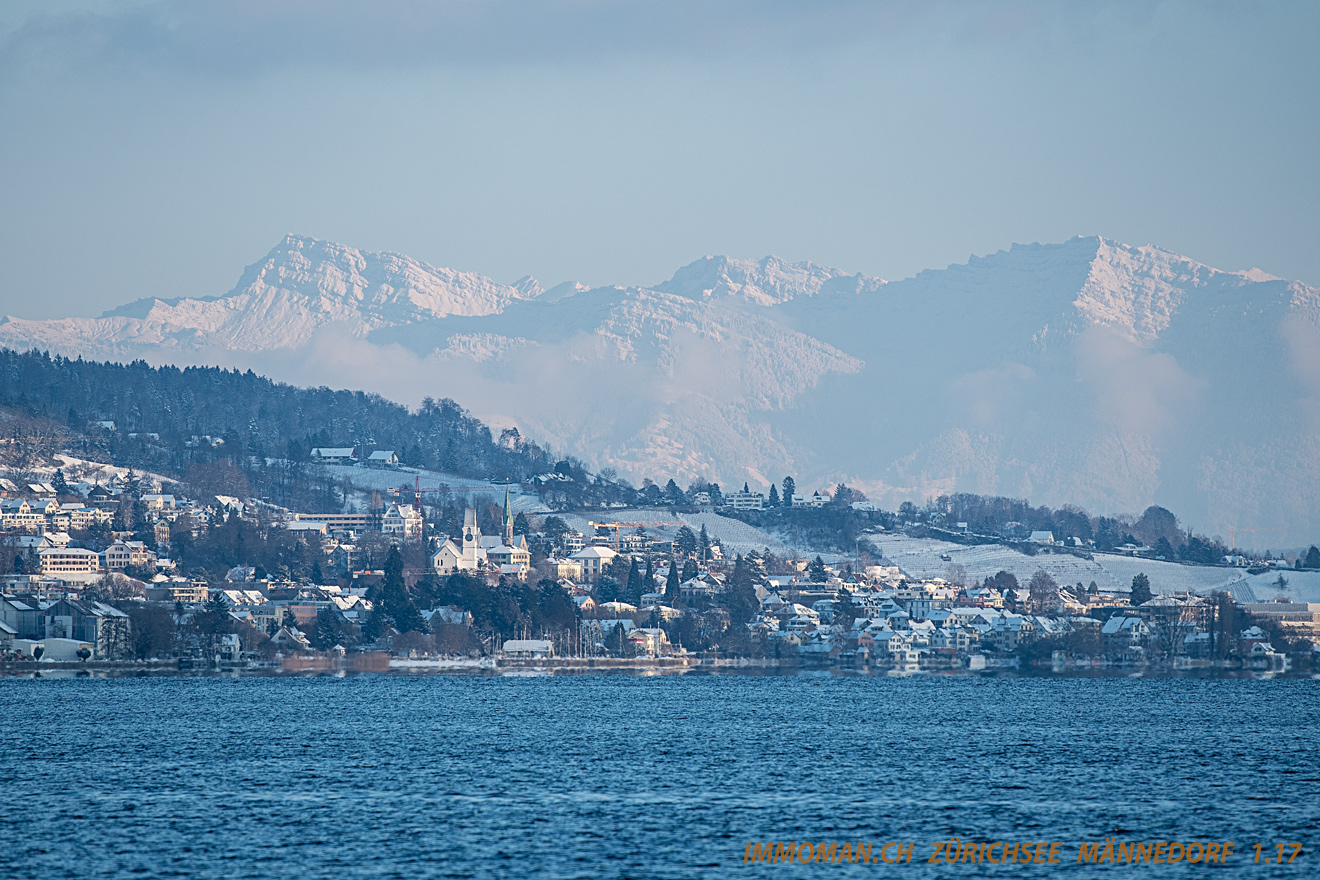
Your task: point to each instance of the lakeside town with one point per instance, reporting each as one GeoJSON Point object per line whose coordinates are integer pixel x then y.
{"type": "Point", "coordinates": [131, 571]}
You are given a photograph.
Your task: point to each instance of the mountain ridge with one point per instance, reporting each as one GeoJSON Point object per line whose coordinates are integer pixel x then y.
{"type": "Point", "coordinates": [1086, 370]}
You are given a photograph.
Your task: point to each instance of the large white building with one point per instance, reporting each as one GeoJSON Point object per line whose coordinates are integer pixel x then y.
{"type": "Point", "coordinates": [122, 554]}
{"type": "Point", "coordinates": [70, 563]}
{"type": "Point", "coordinates": [593, 559]}
{"type": "Point", "coordinates": [745, 499]}
{"type": "Point", "coordinates": [402, 521]}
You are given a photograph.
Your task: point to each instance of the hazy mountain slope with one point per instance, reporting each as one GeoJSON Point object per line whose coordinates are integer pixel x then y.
{"type": "Point", "coordinates": [1088, 371]}
{"type": "Point", "coordinates": [302, 286]}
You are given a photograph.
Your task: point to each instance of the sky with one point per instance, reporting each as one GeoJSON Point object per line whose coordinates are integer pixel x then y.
{"type": "Point", "coordinates": [157, 148]}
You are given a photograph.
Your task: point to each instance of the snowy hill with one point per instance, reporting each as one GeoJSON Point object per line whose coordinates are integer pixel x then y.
{"type": "Point", "coordinates": [1088, 372]}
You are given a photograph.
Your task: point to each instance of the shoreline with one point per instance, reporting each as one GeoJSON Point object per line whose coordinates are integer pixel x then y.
{"type": "Point", "coordinates": [378, 663]}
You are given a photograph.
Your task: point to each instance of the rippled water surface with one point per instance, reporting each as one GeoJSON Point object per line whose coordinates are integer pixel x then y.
{"type": "Point", "coordinates": [617, 776]}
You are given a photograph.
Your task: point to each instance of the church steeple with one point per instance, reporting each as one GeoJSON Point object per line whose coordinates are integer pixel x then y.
{"type": "Point", "coordinates": [508, 518]}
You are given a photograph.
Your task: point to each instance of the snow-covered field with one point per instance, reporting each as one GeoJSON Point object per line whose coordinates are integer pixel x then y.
{"type": "Point", "coordinates": [93, 471]}
{"type": "Point", "coordinates": [735, 536]}
{"type": "Point", "coordinates": [1172, 577]}
{"type": "Point", "coordinates": [921, 557]}
{"type": "Point", "coordinates": [1303, 586]}
{"type": "Point", "coordinates": [382, 479]}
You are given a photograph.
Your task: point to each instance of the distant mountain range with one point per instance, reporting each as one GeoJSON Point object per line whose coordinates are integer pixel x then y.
{"type": "Point", "coordinates": [1089, 372]}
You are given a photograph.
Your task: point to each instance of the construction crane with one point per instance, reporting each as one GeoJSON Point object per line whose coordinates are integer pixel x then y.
{"type": "Point", "coordinates": [659, 524]}
{"type": "Point", "coordinates": [1233, 533]}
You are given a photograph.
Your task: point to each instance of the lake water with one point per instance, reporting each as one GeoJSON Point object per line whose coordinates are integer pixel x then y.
{"type": "Point", "coordinates": [625, 776]}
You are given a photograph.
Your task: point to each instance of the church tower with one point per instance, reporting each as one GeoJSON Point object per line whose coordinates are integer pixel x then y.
{"type": "Point", "coordinates": [508, 518]}
{"type": "Point", "coordinates": [471, 537]}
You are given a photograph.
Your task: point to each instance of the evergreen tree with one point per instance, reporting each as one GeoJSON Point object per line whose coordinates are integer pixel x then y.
{"type": "Point", "coordinates": [59, 484]}
{"type": "Point", "coordinates": [393, 605]}
{"type": "Point", "coordinates": [648, 580]}
{"type": "Point", "coordinates": [606, 589]}
{"type": "Point", "coordinates": [740, 595]}
{"type": "Point", "coordinates": [773, 501]}
{"type": "Point", "coordinates": [617, 641]}
{"type": "Point", "coordinates": [331, 629]}
{"type": "Point", "coordinates": [1312, 558]}
{"type": "Point", "coordinates": [634, 582]}
{"type": "Point", "coordinates": [816, 571]}
{"type": "Point", "coordinates": [672, 582]}
{"type": "Point", "coordinates": [1140, 590]}
{"type": "Point", "coordinates": [845, 609]}
{"type": "Point", "coordinates": [703, 544]}
{"type": "Point", "coordinates": [790, 489]}
{"type": "Point", "coordinates": [689, 569]}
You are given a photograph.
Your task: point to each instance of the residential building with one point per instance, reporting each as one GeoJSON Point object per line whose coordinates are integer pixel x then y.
{"type": "Point", "coordinates": [70, 563]}
{"type": "Point", "coordinates": [402, 521]}
{"type": "Point", "coordinates": [745, 499]}
{"type": "Point", "coordinates": [593, 559]}
{"type": "Point", "coordinates": [383, 458]}
{"type": "Point", "coordinates": [122, 554]}
{"type": "Point", "coordinates": [334, 455]}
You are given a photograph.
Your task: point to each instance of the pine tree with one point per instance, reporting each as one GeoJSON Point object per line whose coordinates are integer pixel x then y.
{"type": "Point", "coordinates": [816, 571]}
{"type": "Point", "coordinates": [689, 569]}
{"type": "Point", "coordinates": [1140, 590]}
{"type": "Point", "coordinates": [774, 496]}
{"type": "Point", "coordinates": [703, 544]}
{"type": "Point", "coordinates": [672, 582]}
{"type": "Point", "coordinates": [790, 489]}
{"type": "Point", "coordinates": [392, 598]}
{"type": "Point", "coordinates": [1312, 558]}
{"type": "Point", "coordinates": [634, 582]}
{"type": "Point", "coordinates": [740, 597]}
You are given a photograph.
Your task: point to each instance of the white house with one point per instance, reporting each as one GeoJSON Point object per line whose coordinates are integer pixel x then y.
{"type": "Point", "coordinates": [745, 499]}
{"type": "Point", "coordinates": [530, 648]}
{"type": "Point", "coordinates": [122, 554]}
{"type": "Point", "coordinates": [594, 559]}
{"type": "Point", "coordinates": [382, 458]}
{"type": "Point", "coordinates": [334, 455]}
{"type": "Point", "coordinates": [403, 521]}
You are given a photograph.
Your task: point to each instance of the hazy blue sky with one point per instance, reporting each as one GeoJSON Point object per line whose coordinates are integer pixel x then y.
{"type": "Point", "coordinates": [154, 149]}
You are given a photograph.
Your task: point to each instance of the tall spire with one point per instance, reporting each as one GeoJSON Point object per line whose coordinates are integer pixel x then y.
{"type": "Point", "coordinates": [508, 517]}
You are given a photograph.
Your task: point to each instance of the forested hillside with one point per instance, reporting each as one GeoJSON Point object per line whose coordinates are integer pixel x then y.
{"type": "Point", "coordinates": [171, 409]}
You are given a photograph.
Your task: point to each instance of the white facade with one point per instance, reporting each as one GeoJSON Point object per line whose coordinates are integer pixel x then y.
{"type": "Point", "coordinates": [70, 563]}
{"type": "Point", "coordinates": [402, 521]}
{"type": "Point", "coordinates": [745, 500]}
{"type": "Point", "coordinates": [593, 559]}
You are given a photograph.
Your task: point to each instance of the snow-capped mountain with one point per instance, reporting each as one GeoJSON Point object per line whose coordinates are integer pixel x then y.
{"type": "Point", "coordinates": [302, 286]}
{"type": "Point", "coordinates": [1089, 372]}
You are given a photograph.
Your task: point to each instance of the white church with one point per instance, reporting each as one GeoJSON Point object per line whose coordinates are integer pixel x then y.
{"type": "Point", "coordinates": [493, 555]}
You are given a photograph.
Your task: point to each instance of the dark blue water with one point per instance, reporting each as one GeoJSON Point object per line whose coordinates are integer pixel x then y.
{"type": "Point", "coordinates": [615, 776]}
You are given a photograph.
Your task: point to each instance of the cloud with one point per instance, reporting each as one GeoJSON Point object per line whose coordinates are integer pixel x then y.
{"type": "Point", "coordinates": [1137, 391]}
{"type": "Point", "coordinates": [250, 36]}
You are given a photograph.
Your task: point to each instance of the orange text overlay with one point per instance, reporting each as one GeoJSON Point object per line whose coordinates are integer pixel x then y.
{"type": "Point", "coordinates": [958, 851]}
